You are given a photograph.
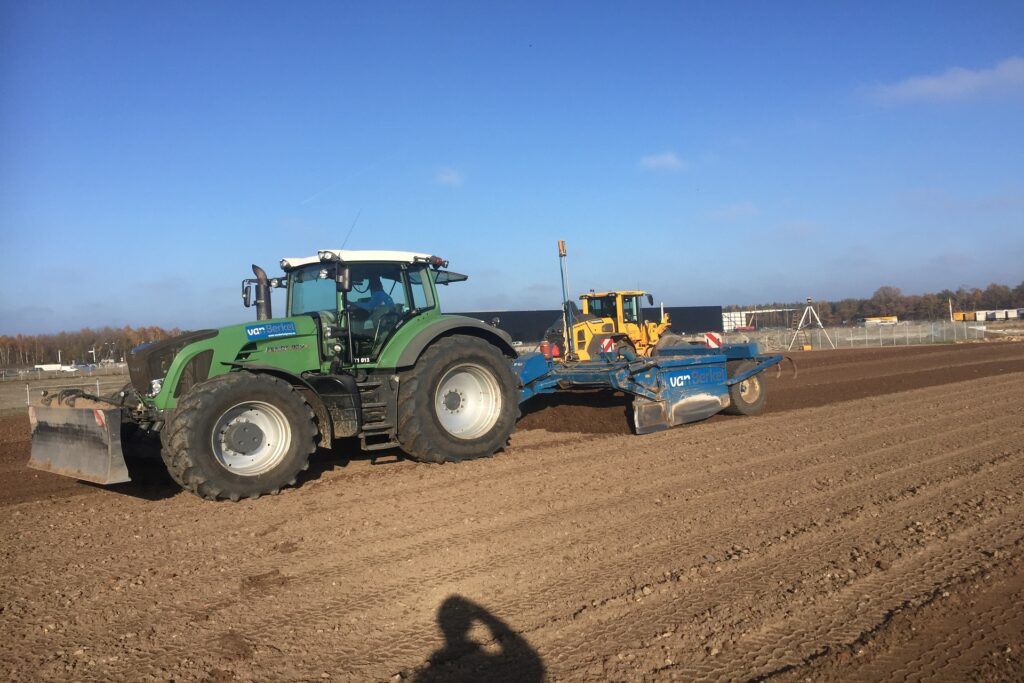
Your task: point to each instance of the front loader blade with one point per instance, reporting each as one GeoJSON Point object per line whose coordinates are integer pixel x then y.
{"type": "Point", "coordinates": [84, 443]}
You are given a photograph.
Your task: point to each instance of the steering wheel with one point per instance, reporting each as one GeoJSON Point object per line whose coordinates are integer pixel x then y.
{"type": "Point", "coordinates": [383, 318]}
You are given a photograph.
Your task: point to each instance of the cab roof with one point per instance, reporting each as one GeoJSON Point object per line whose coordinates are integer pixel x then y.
{"type": "Point", "coordinates": [358, 256]}
{"type": "Point", "coordinates": [624, 292]}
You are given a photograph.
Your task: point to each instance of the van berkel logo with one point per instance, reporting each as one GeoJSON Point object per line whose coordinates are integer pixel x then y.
{"type": "Point", "coordinates": [270, 330]}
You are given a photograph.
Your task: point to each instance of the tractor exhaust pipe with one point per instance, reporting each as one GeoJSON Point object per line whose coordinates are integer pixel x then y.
{"type": "Point", "coordinates": [263, 311]}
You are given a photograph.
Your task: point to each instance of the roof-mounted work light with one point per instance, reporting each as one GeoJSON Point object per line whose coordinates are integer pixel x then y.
{"type": "Point", "coordinates": [434, 262]}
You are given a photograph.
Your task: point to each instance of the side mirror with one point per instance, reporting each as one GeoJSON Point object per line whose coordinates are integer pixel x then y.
{"type": "Point", "coordinates": [246, 294]}
{"type": "Point", "coordinates": [650, 300]}
{"type": "Point", "coordinates": [343, 279]}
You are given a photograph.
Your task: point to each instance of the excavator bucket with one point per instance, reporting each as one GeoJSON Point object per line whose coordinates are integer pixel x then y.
{"type": "Point", "coordinates": [84, 443]}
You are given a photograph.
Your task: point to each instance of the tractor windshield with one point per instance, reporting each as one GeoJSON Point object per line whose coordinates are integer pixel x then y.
{"type": "Point", "coordinates": [312, 288]}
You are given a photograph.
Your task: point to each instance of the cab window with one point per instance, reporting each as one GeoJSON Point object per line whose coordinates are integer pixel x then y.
{"type": "Point", "coordinates": [383, 297]}
{"type": "Point", "coordinates": [311, 289]}
{"type": "Point", "coordinates": [422, 297]}
{"type": "Point", "coordinates": [630, 309]}
{"type": "Point", "coordinates": [603, 307]}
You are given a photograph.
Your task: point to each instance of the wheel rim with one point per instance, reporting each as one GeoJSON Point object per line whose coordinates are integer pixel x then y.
{"type": "Point", "coordinates": [467, 401]}
{"type": "Point", "coordinates": [251, 438]}
{"type": "Point", "coordinates": [750, 390]}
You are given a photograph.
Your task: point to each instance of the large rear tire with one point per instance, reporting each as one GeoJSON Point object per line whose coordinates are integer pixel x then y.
{"type": "Point", "coordinates": [458, 403]}
{"type": "Point", "coordinates": [239, 435]}
{"type": "Point", "coordinates": [749, 397]}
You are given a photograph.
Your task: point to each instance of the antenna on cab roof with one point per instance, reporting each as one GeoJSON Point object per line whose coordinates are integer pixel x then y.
{"type": "Point", "coordinates": [351, 228]}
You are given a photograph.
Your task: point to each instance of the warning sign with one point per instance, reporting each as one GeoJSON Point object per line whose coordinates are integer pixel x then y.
{"type": "Point", "coordinates": [607, 345]}
{"type": "Point", "coordinates": [712, 340]}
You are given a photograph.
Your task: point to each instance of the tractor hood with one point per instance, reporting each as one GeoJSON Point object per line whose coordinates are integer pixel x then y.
{"type": "Point", "coordinates": [168, 369]}
{"type": "Point", "coordinates": [151, 361]}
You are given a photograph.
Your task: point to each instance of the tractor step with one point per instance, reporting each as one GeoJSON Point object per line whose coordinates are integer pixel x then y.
{"type": "Point", "coordinates": [388, 442]}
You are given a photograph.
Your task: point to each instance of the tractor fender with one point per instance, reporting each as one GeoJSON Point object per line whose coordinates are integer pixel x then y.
{"type": "Point", "coordinates": [323, 415]}
{"type": "Point", "coordinates": [451, 325]}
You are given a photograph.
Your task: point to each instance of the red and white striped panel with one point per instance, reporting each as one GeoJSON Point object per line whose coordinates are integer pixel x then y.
{"type": "Point", "coordinates": [712, 340]}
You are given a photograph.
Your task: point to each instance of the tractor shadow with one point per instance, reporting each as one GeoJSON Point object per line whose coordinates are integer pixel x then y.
{"type": "Point", "coordinates": [150, 480]}
{"type": "Point", "coordinates": [478, 646]}
{"type": "Point", "coordinates": [344, 453]}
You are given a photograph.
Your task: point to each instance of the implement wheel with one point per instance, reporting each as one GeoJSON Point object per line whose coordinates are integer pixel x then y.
{"type": "Point", "coordinates": [239, 435]}
{"type": "Point", "coordinates": [458, 403]}
{"type": "Point", "coordinates": [748, 397]}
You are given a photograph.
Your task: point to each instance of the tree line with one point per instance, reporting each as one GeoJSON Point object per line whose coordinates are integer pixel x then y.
{"type": "Point", "coordinates": [889, 300]}
{"type": "Point", "coordinates": [84, 346]}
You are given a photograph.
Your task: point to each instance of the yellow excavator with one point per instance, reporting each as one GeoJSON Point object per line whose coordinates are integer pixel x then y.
{"type": "Point", "coordinates": [610, 322]}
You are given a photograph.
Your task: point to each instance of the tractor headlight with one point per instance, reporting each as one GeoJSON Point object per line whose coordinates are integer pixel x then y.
{"type": "Point", "coordinates": [155, 386]}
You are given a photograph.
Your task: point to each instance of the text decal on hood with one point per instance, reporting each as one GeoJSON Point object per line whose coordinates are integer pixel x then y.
{"type": "Point", "coordinates": [270, 330]}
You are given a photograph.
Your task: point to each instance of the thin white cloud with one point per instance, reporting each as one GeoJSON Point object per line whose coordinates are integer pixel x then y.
{"type": "Point", "coordinates": [448, 176]}
{"type": "Point", "coordinates": [666, 161]}
{"type": "Point", "coordinates": [953, 84]}
{"type": "Point", "coordinates": [734, 212]}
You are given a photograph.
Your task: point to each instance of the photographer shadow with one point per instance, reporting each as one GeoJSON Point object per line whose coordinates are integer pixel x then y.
{"type": "Point", "coordinates": [479, 647]}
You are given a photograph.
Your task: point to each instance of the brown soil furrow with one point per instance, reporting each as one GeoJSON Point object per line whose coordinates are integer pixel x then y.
{"type": "Point", "coordinates": [975, 625]}
{"type": "Point", "coordinates": [959, 652]}
{"type": "Point", "coordinates": [780, 571]}
{"type": "Point", "coordinates": [859, 607]}
{"type": "Point", "coordinates": [817, 367]}
{"type": "Point", "coordinates": [319, 613]}
{"type": "Point", "coordinates": [723, 482]}
{"type": "Point", "coordinates": [761, 472]}
{"type": "Point", "coordinates": [800, 544]}
{"type": "Point", "coordinates": [702, 487]}
{"type": "Point", "coordinates": [695, 483]}
{"type": "Point", "coordinates": [721, 442]}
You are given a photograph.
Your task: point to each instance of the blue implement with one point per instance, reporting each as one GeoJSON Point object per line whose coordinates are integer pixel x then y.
{"type": "Point", "coordinates": [683, 384]}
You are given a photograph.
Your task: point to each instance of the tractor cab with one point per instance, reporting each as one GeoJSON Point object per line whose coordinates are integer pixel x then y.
{"type": "Point", "coordinates": [363, 297]}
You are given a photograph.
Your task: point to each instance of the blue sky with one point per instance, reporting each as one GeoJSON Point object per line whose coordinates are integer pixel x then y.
{"type": "Point", "coordinates": [712, 153]}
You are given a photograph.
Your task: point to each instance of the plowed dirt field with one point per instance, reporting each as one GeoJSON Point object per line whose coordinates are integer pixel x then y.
{"type": "Point", "coordinates": [870, 526]}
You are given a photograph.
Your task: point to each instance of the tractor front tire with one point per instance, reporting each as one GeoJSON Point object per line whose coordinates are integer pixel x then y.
{"type": "Point", "coordinates": [459, 402]}
{"type": "Point", "coordinates": [748, 397]}
{"type": "Point", "coordinates": [239, 435]}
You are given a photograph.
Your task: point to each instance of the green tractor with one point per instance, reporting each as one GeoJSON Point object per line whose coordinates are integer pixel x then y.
{"type": "Point", "coordinates": [363, 351]}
